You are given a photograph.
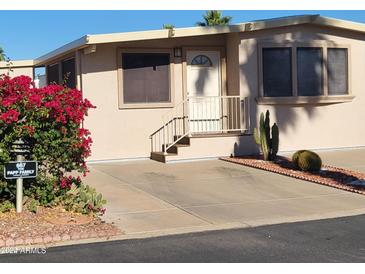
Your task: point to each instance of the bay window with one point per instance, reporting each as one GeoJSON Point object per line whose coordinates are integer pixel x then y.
{"type": "Point", "coordinates": [309, 71]}
{"type": "Point", "coordinates": [337, 66]}
{"type": "Point", "coordinates": [277, 72]}
{"type": "Point", "coordinates": [303, 72]}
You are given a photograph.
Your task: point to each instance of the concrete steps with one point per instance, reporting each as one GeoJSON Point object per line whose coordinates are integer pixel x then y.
{"type": "Point", "coordinates": [172, 151]}
{"type": "Point", "coordinates": [208, 146]}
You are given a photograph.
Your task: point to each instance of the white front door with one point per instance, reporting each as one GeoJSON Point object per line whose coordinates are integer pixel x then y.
{"type": "Point", "coordinates": [204, 88]}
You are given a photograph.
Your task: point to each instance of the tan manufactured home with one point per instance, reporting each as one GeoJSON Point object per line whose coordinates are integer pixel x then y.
{"type": "Point", "coordinates": [195, 93]}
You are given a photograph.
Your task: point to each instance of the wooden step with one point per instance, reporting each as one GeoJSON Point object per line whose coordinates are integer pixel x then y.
{"type": "Point", "coordinates": [184, 141]}
{"type": "Point", "coordinates": [175, 148]}
{"type": "Point", "coordinates": [160, 156]}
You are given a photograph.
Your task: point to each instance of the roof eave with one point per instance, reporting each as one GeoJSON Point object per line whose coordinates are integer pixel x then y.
{"type": "Point", "coordinates": [198, 31]}
{"type": "Point", "coordinates": [76, 44]}
{"type": "Point", "coordinates": [162, 34]}
{"type": "Point", "coordinates": [175, 33]}
{"type": "Point", "coordinates": [280, 22]}
{"type": "Point", "coordinates": [135, 36]}
{"type": "Point", "coordinates": [337, 23]}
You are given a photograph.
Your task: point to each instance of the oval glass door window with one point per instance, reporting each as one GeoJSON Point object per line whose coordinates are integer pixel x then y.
{"type": "Point", "coordinates": [201, 60]}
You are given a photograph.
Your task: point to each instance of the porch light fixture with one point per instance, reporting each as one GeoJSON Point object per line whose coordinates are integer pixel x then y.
{"type": "Point", "coordinates": [177, 52]}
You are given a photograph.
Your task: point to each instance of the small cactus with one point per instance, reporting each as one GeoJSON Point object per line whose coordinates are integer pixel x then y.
{"type": "Point", "coordinates": [274, 140]}
{"type": "Point", "coordinates": [295, 158]}
{"type": "Point", "coordinates": [269, 143]}
{"type": "Point", "coordinates": [84, 199]}
{"type": "Point", "coordinates": [309, 161]}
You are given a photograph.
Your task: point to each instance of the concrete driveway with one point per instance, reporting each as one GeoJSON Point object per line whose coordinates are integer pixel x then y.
{"type": "Point", "coordinates": [150, 197]}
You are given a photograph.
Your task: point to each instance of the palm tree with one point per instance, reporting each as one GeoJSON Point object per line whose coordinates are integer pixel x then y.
{"type": "Point", "coordinates": [2, 55]}
{"type": "Point", "coordinates": [214, 18]}
{"type": "Point", "coordinates": [168, 26]}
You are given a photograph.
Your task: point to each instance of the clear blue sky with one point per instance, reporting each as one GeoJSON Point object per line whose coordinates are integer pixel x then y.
{"type": "Point", "coordinates": [31, 34]}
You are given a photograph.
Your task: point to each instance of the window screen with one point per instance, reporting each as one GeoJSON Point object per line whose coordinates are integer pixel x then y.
{"type": "Point", "coordinates": [53, 74]}
{"type": "Point", "coordinates": [69, 73]}
{"type": "Point", "coordinates": [309, 71]}
{"type": "Point", "coordinates": [277, 72]}
{"type": "Point", "coordinates": [337, 71]}
{"type": "Point", "coordinates": [146, 77]}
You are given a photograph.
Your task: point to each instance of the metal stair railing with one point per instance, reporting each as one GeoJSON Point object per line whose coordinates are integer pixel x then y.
{"type": "Point", "coordinates": [201, 115]}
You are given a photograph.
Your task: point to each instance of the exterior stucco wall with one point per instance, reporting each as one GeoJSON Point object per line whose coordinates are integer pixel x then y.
{"type": "Point", "coordinates": [309, 126]}
{"type": "Point", "coordinates": [124, 133]}
{"type": "Point", "coordinates": [17, 71]}
{"type": "Point", "coordinates": [233, 75]}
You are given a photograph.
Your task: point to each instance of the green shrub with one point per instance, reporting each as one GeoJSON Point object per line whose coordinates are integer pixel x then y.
{"type": "Point", "coordinates": [309, 161]}
{"type": "Point", "coordinates": [7, 190]}
{"type": "Point", "coordinates": [6, 206]}
{"type": "Point", "coordinates": [32, 205]}
{"type": "Point", "coordinates": [44, 189]}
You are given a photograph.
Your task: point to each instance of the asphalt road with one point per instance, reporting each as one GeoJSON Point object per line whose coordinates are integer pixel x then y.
{"type": "Point", "coordinates": [332, 240]}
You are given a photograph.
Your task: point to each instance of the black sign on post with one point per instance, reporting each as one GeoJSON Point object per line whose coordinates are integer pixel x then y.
{"type": "Point", "coordinates": [23, 169]}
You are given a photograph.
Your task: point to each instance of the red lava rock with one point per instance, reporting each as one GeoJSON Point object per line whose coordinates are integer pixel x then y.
{"type": "Point", "coordinates": [66, 237]}
{"type": "Point", "coordinates": [47, 239]}
{"type": "Point", "coordinates": [19, 241]}
{"type": "Point", "coordinates": [84, 235]}
{"type": "Point", "coordinates": [56, 238]}
{"type": "Point", "coordinates": [37, 240]}
{"type": "Point", "coordinates": [75, 236]}
{"type": "Point", "coordinates": [102, 234]}
{"type": "Point", "coordinates": [28, 241]}
{"type": "Point", "coordinates": [37, 228]}
{"type": "Point", "coordinates": [112, 233]}
{"type": "Point", "coordinates": [93, 234]}
{"type": "Point", "coordinates": [70, 220]}
{"type": "Point", "coordinates": [9, 242]}
{"type": "Point", "coordinates": [329, 175]}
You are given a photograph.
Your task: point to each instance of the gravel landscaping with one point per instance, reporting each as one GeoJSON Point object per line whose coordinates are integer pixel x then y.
{"type": "Point", "coordinates": [329, 175]}
{"type": "Point", "coordinates": [50, 225]}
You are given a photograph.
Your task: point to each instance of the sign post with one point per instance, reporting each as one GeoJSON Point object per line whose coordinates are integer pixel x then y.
{"type": "Point", "coordinates": [19, 188]}
{"type": "Point", "coordinates": [19, 170]}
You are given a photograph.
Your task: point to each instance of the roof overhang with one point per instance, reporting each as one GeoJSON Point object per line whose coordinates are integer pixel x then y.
{"type": "Point", "coordinates": [74, 45]}
{"type": "Point", "coordinates": [198, 31]}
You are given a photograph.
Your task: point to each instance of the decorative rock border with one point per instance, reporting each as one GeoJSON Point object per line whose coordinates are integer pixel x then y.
{"type": "Point", "coordinates": [275, 167]}
{"type": "Point", "coordinates": [50, 225]}
{"type": "Point", "coordinates": [11, 242]}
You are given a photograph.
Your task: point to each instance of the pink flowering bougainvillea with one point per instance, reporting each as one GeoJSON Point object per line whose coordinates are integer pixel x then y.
{"type": "Point", "coordinates": [66, 182]}
{"type": "Point", "coordinates": [50, 120]}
